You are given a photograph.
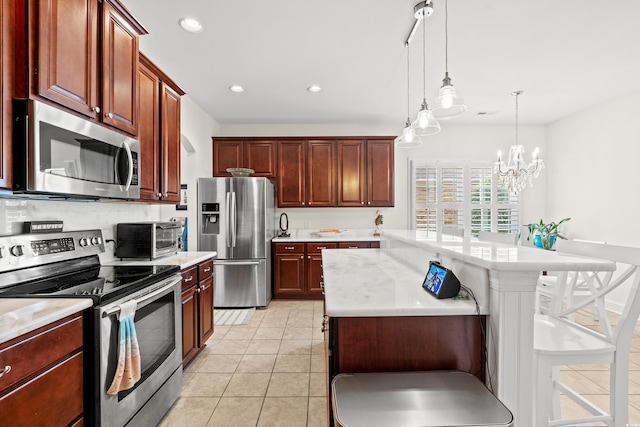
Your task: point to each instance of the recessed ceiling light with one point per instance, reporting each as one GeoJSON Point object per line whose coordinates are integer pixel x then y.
{"type": "Point", "coordinates": [191, 25]}
{"type": "Point", "coordinates": [314, 89]}
{"type": "Point", "coordinates": [236, 88]}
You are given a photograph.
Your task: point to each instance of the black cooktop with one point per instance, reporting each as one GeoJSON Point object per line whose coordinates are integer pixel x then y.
{"type": "Point", "coordinates": [86, 278]}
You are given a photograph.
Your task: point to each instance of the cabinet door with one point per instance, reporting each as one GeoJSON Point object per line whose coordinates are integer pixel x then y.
{"type": "Point", "coordinates": [289, 274]}
{"type": "Point", "coordinates": [189, 324]}
{"type": "Point", "coordinates": [119, 71]}
{"type": "Point", "coordinates": [226, 154]}
{"type": "Point", "coordinates": [6, 84]}
{"type": "Point", "coordinates": [291, 173]}
{"type": "Point", "coordinates": [205, 310]}
{"type": "Point", "coordinates": [321, 175]}
{"type": "Point", "coordinates": [380, 173]}
{"type": "Point", "coordinates": [67, 53]}
{"type": "Point", "coordinates": [351, 173]}
{"type": "Point", "coordinates": [170, 144]}
{"type": "Point", "coordinates": [148, 134]}
{"type": "Point", "coordinates": [314, 274]}
{"type": "Point", "coordinates": [261, 157]}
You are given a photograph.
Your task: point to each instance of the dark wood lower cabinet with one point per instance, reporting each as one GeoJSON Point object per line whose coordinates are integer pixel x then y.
{"type": "Point", "coordinates": [197, 309]}
{"type": "Point", "coordinates": [45, 384]}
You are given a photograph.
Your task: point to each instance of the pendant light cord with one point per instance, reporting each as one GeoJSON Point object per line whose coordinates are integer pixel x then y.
{"type": "Point", "coordinates": [517, 93]}
{"type": "Point", "coordinates": [408, 87]}
{"type": "Point", "coordinates": [424, 60]}
{"type": "Point", "coordinates": [446, 36]}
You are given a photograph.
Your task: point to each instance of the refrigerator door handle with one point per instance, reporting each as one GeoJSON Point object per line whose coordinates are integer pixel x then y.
{"type": "Point", "coordinates": [234, 219]}
{"type": "Point", "coordinates": [216, 262]}
{"type": "Point", "coordinates": [228, 220]}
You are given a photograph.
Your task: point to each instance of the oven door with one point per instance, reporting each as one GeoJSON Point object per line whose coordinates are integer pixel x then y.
{"type": "Point", "coordinates": [158, 324]}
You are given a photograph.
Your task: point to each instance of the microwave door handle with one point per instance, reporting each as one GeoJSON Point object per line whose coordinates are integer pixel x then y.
{"type": "Point", "coordinates": [234, 219]}
{"type": "Point", "coordinates": [127, 150]}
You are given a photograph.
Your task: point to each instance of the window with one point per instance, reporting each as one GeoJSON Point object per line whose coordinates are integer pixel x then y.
{"type": "Point", "coordinates": [460, 194]}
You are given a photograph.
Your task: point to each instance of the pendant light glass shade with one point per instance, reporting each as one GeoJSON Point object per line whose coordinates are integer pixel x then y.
{"type": "Point", "coordinates": [408, 139]}
{"type": "Point", "coordinates": [448, 105]}
{"type": "Point", "coordinates": [425, 124]}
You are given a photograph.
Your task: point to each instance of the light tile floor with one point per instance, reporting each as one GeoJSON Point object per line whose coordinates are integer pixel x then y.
{"type": "Point", "coordinates": [271, 372]}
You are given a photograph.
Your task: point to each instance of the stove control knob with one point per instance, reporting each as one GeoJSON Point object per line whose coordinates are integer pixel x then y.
{"type": "Point", "coordinates": [83, 242]}
{"type": "Point", "coordinates": [17, 250]}
{"type": "Point", "coordinates": [95, 241]}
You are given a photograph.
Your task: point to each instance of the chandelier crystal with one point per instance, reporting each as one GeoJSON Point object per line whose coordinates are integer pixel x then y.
{"type": "Point", "coordinates": [517, 173]}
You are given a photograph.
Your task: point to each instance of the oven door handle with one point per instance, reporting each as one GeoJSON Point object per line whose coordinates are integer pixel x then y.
{"type": "Point", "coordinates": [146, 297]}
{"type": "Point", "coordinates": [236, 262]}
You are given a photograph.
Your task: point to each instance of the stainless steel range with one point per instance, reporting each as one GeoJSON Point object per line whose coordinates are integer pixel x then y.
{"type": "Point", "coordinates": [67, 265]}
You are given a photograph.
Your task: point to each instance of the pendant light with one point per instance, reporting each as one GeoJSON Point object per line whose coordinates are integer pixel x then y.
{"type": "Point", "coordinates": [425, 124]}
{"type": "Point", "coordinates": [448, 104]}
{"type": "Point", "coordinates": [408, 139]}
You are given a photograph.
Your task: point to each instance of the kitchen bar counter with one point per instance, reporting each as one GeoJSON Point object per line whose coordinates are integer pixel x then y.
{"type": "Point", "coordinates": [19, 316]}
{"type": "Point", "coordinates": [309, 235]}
{"type": "Point", "coordinates": [368, 282]}
{"type": "Point", "coordinates": [503, 278]}
{"type": "Point", "coordinates": [183, 259]}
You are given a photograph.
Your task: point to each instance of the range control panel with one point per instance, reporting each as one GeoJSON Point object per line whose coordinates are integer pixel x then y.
{"type": "Point", "coordinates": [27, 250]}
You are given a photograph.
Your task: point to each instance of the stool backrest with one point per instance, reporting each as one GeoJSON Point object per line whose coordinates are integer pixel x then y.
{"type": "Point", "coordinates": [492, 236]}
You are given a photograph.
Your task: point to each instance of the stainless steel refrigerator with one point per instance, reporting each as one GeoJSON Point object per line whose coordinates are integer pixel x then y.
{"type": "Point", "coordinates": [236, 219]}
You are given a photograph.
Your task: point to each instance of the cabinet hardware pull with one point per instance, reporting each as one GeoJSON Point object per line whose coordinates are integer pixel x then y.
{"type": "Point", "coordinates": [159, 195]}
{"type": "Point", "coordinates": [308, 256]}
{"type": "Point", "coordinates": [110, 115]}
{"type": "Point", "coordinates": [362, 203]}
{"type": "Point", "coordinates": [208, 269]}
{"type": "Point", "coordinates": [301, 256]}
{"type": "Point", "coordinates": [198, 288]}
{"type": "Point", "coordinates": [5, 371]}
{"type": "Point", "coordinates": [166, 195]}
{"type": "Point", "coordinates": [368, 203]}
{"type": "Point", "coordinates": [322, 247]}
{"type": "Point", "coordinates": [188, 279]}
{"type": "Point", "coordinates": [302, 203]}
{"type": "Point", "coordinates": [96, 109]}
{"type": "Point", "coordinates": [289, 248]}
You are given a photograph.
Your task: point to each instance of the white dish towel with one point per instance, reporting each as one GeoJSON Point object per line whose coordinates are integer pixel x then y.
{"type": "Point", "coordinates": [128, 369]}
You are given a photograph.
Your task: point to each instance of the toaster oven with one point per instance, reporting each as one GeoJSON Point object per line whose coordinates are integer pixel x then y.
{"type": "Point", "coordinates": [147, 239]}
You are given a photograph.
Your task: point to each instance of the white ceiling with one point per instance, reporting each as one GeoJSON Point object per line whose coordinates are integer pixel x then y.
{"type": "Point", "coordinates": [566, 55]}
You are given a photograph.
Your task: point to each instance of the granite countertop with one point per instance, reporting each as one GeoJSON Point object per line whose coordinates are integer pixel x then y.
{"type": "Point", "coordinates": [311, 235]}
{"type": "Point", "coordinates": [183, 259]}
{"type": "Point", "coordinates": [19, 316]}
{"type": "Point", "coordinates": [369, 283]}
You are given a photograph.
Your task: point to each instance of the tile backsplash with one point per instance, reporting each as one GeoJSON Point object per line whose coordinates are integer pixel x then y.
{"type": "Point", "coordinates": [76, 215]}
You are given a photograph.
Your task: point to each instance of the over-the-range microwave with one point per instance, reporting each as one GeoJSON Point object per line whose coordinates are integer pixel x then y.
{"type": "Point", "coordinates": [56, 153]}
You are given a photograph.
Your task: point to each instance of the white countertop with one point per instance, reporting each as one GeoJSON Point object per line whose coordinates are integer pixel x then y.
{"type": "Point", "coordinates": [499, 256]}
{"type": "Point", "coordinates": [19, 316]}
{"type": "Point", "coordinates": [309, 235]}
{"type": "Point", "coordinates": [183, 259]}
{"type": "Point", "coordinates": [368, 283]}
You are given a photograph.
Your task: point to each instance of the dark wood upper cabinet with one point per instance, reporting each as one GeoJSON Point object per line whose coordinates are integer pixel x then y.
{"type": "Point", "coordinates": [321, 176]}
{"type": "Point", "coordinates": [256, 154]}
{"type": "Point", "coordinates": [170, 145]}
{"type": "Point", "coordinates": [292, 172]}
{"type": "Point", "coordinates": [72, 40]}
{"type": "Point", "coordinates": [6, 91]}
{"type": "Point", "coordinates": [380, 177]}
{"type": "Point", "coordinates": [120, 51]}
{"type": "Point", "coordinates": [351, 172]}
{"type": "Point", "coordinates": [159, 134]}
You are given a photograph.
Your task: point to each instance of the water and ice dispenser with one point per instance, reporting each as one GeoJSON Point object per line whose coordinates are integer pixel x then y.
{"type": "Point", "coordinates": [210, 218]}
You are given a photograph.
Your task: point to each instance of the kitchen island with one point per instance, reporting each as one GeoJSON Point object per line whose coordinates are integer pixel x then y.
{"type": "Point", "coordinates": [377, 286]}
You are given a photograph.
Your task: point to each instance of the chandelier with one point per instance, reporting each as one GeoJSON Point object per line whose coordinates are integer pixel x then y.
{"type": "Point", "coordinates": [517, 173]}
{"type": "Point", "coordinates": [408, 139]}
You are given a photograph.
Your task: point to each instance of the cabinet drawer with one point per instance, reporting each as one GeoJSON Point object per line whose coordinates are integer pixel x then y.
{"type": "Point", "coordinates": [353, 245]}
{"type": "Point", "coordinates": [205, 269]}
{"type": "Point", "coordinates": [55, 397]}
{"type": "Point", "coordinates": [36, 352]}
{"type": "Point", "coordinates": [317, 247]}
{"type": "Point", "coordinates": [283, 248]}
{"type": "Point", "coordinates": [189, 277]}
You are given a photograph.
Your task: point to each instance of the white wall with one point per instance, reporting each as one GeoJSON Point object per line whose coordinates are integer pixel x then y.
{"type": "Point", "coordinates": [592, 171]}
{"type": "Point", "coordinates": [453, 142]}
